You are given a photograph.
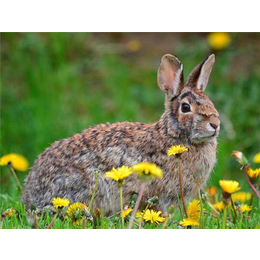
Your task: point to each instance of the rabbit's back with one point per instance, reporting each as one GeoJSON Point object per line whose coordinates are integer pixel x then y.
{"type": "Point", "coordinates": [65, 168]}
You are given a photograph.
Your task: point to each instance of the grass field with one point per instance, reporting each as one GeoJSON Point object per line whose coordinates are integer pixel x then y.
{"type": "Point", "coordinates": [56, 84]}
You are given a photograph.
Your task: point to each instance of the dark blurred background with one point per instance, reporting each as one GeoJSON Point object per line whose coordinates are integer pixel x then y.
{"type": "Point", "coordinates": [56, 84]}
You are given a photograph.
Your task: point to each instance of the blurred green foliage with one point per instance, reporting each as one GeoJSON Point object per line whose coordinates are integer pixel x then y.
{"type": "Point", "coordinates": [56, 84]}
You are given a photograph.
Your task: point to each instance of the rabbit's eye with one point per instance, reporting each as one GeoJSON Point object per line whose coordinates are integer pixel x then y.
{"type": "Point", "coordinates": [185, 108]}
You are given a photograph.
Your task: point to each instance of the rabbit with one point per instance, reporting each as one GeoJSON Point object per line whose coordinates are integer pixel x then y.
{"type": "Point", "coordinates": [190, 118]}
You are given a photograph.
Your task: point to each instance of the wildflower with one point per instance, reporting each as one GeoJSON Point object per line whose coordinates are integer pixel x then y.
{"type": "Point", "coordinates": [76, 212]}
{"type": "Point", "coordinates": [218, 40]}
{"type": "Point", "coordinates": [212, 191]}
{"type": "Point", "coordinates": [119, 174]}
{"type": "Point", "coordinates": [177, 150]}
{"type": "Point", "coordinates": [241, 196]}
{"type": "Point", "coordinates": [245, 208]}
{"type": "Point", "coordinates": [219, 206]}
{"type": "Point", "coordinates": [257, 158]}
{"type": "Point", "coordinates": [194, 210]}
{"type": "Point", "coordinates": [8, 213]}
{"type": "Point", "coordinates": [229, 186]}
{"type": "Point", "coordinates": [253, 174]}
{"type": "Point", "coordinates": [126, 212]}
{"type": "Point", "coordinates": [189, 222]}
{"type": "Point", "coordinates": [146, 169]}
{"type": "Point", "coordinates": [139, 215]}
{"type": "Point", "coordinates": [59, 203]}
{"type": "Point", "coordinates": [134, 45]}
{"type": "Point", "coordinates": [19, 162]}
{"type": "Point", "coordinates": [153, 216]}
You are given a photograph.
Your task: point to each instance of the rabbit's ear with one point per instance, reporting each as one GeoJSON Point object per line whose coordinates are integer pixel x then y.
{"type": "Point", "coordinates": [170, 75]}
{"type": "Point", "coordinates": [199, 76]}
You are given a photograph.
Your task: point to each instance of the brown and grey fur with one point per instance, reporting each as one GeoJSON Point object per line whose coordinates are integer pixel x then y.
{"type": "Point", "coordinates": [65, 168]}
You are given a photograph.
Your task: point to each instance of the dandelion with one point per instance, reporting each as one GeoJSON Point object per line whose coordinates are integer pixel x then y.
{"type": "Point", "coordinates": [253, 174]}
{"type": "Point", "coordinates": [245, 208]}
{"type": "Point", "coordinates": [219, 206]}
{"type": "Point", "coordinates": [189, 222]}
{"type": "Point", "coordinates": [212, 191]}
{"type": "Point", "coordinates": [8, 213]}
{"type": "Point", "coordinates": [15, 162]}
{"type": "Point", "coordinates": [134, 45]}
{"type": "Point", "coordinates": [219, 40]}
{"type": "Point", "coordinates": [241, 196]}
{"type": "Point", "coordinates": [18, 161]}
{"type": "Point", "coordinates": [76, 212]}
{"type": "Point", "coordinates": [194, 210]}
{"type": "Point", "coordinates": [153, 216]}
{"type": "Point", "coordinates": [119, 175]}
{"type": "Point", "coordinates": [139, 215]}
{"type": "Point", "coordinates": [126, 212]}
{"type": "Point", "coordinates": [177, 150]}
{"type": "Point", "coordinates": [146, 169]}
{"type": "Point", "coordinates": [60, 203]}
{"type": "Point", "coordinates": [256, 158]}
{"type": "Point", "coordinates": [229, 187]}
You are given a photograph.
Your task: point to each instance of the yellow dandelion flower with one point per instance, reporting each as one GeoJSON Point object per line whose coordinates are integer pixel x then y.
{"type": "Point", "coordinates": [229, 186]}
{"type": "Point", "coordinates": [212, 191]}
{"type": "Point", "coordinates": [194, 209]}
{"type": "Point", "coordinates": [19, 162]}
{"type": "Point", "coordinates": [146, 169]}
{"type": "Point", "coordinates": [126, 212]}
{"type": "Point", "coordinates": [60, 203]}
{"type": "Point", "coordinates": [219, 206]}
{"type": "Point", "coordinates": [139, 215]}
{"type": "Point", "coordinates": [177, 150]}
{"type": "Point", "coordinates": [134, 45]}
{"type": "Point", "coordinates": [241, 196]}
{"type": "Point", "coordinates": [119, 174]}
{"type": "Point", "coordinates": [219, 40]}
{"type": "Point", "coordinates": [189, 222]}
{"type": "Point", "coordinates": [257, 158]}
{"type": "Point", "coordinates": [8, 213]}
{"type": "Point", "coordinates": [245, 208]}
{"type": "Point", "coordinates": [76, 212]}
{"type": "Point", "coordinates": [153, 216]}
{"type": "Point", "coordinates": [253, 173]}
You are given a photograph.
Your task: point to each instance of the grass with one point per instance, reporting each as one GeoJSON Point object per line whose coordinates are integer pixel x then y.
{"type": "Point", "coordinates": [56, 84]}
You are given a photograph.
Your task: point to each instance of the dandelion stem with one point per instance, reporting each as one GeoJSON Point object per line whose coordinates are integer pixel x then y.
{"type": "Point", "coordinates": [224, 218]}
{"type": "Point", "coordinates": [201, 210]}
{"type": "Point", "coordinates": [140, 195]}
{"type": "Point", "coordinates": [121, 204]}
{"type": "Point", "coordinates": [16, 178]}
{"type": "Point", "coordinates": [52, 222]}
{"type": "Point", "coordinates": [179, 206]}
{"type": "Point", "coordinates": [215, 211]}
{"type": "Point", "coordinates": [94, 192]}
{"type": "Point", "coordinates": [180, 182]}
{"type": "Point", "coordinates": [232, 203]}
{"type": "Point", "coordinates": [140, 223]}
{"type": "Point", "coordinates": [245, 170]}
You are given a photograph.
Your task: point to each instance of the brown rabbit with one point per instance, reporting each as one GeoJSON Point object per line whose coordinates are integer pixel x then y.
{"type": "Point", "coordinates": [190, 118]}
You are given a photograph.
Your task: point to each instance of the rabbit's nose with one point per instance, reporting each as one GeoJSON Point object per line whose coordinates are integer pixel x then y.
{"type": "Point", "coordinates": [214, 126]}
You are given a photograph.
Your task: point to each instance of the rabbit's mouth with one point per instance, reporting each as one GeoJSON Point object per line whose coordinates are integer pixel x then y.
{"type": "Point", "coordinates": [200, 138]}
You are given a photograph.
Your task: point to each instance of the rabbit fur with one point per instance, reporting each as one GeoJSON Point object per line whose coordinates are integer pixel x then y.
{"type": "Point", "coordinates": [65, 168]}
